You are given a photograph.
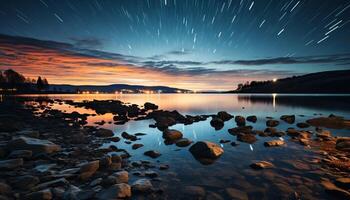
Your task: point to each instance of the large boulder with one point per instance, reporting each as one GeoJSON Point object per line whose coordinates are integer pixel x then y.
{"type": "Point", "coordinates": [172, 135]}
{"type": "Point", "coordinates": [142, 186]}
{"type": "Point", "coordinates": [206, 152]}
{"type": "Point", "coordinates": [35, 145]}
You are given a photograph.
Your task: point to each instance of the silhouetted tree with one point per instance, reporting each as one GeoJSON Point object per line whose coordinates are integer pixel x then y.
{"type": "Point", "coordinates": [46, 83]}
{"type": "Point", "coordinates": [40, 84]}
{"type": "Point", "coordinates": [13, 79]}
{"type": "Point", "coordinates": [2, 78]}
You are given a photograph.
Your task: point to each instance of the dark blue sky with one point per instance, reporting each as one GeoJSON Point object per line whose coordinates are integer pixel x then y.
{"type": "Point", "coordinates": [216, 33]}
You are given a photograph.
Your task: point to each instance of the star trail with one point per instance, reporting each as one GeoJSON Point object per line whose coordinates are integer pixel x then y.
{"type": "Point", "coordinates": [205, 43]}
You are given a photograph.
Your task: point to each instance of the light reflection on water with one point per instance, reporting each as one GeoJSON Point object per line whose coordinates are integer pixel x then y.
{"type": "Point", "coordinates": [232, 169]}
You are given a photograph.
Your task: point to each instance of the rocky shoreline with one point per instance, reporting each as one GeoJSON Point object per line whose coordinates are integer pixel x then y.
{"type": "Point", "coordinates": [49, 154]}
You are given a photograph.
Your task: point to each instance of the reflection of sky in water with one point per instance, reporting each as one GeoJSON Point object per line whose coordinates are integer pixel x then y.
{"type": "Point", "coordinates": [233, 165]}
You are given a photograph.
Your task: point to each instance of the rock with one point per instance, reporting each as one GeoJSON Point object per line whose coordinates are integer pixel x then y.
{"type": "Point", "coordinates": [11, 164]}
{"type": "Point", "coordinates": [236, 194]}
{"type": "Point", "coordinates": [40, 195]}
{"type": "Point", "coordinates": [292, 132]}
{"type": "Point", "coordinates": [128, 136]}
{"type": "Point", "coordinates": [247, 138]}
{"type": "Point", "coordinates": [102, 132]}
{"type": "Point", "coordinates": [54, 183]}
{"type": "Point", "coordinates": [37, 146]}
{"type": "Point", "coordinates": [184, 142]}
{"type": "Point", "coordinates": [290, 119]}
{"type": "Point", "coordinates": [172, 135]}
{"type": "Point", "coordinates": [274, 143]}
{"type": "Point", "coordinates": [150, 106]}
{"type": "Point", "coordinates": [324, 134]}
{"type": "Point", "coordinates": [88, 169]}
{"type": "Point", "coordinates": [343, 182]}
{"type": "Point", "coordinates": [105, 161]}
{"type": "Point", "coordinates": [272, 123]}
{"type": "Point", "coordinates": [343, 144]}
{"type": "Point", "coordinates": [224, 141]}
{"type": "Point", "coordinates": [142, 186]}
{"type": "Point", "coordinates": [25, 154]}
{"type": "Point", "coordinates": [304, 142]}
{"type": "Point", "coordinates": [240, 120]}
{"type": "Point", "coordinates": [121, 177]}
{"type": "Point", "coordinates": [303, 125]}
{"type": "Point", "coordinates": [25, 182]}
{"type": "Point", "coordinates": [152, 154]}
{"type": "Point", "coordinates": [224, 116]}
{"type": "Point", "coordinates": [262, 165]}
{"type": "Point", "coordinates": [136, 146]}
{"type": "Point", "coordinates": [252, 118]}
{"type": "Point", "coordinates": [217, 123]}
{"type": "Point", "coordinates": [194, 192]}
{"type": "Point", "coordinates": [115, 139]}
{"type": "Point", "coordinates": [5, 189]}
{"type": "Point", "coordinates": [163, 167]}
{"type": "Point", "coordinates": [333, 122]}
{"type": "Point", "coordinates": [334, 190]}
{"type": "Point", "coordinates": [151, 174]}
{"type": "Point", "coordinates": [95, 182]}
{"type": "Point", "coordinates": [206, 152]}
{"type": "Point", "coordinates": [116, 191]}
{"type": "Point", "coordinates": [240, 129]}
{"type": "Point", "coordinates": [213, 196]}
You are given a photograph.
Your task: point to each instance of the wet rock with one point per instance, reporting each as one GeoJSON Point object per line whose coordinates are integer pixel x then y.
{"type": "Point", "coordinates": [128, 136]}
{"type": "Point", "coordinates": [37, 146]}
{"type": "Point", "coordinates": [240, 129]}
{"type": "Point", "coordinates": [53, 183]}
{"type": "Point", "coordinates": [252, 118]}
{"type": "Point", "coordinates": [206, 152]}
{"type": "Point", "coordinates": [334, 190]}
{"type": "Point", "coordinates": [274, 143]}
{"type": "Point", "coordinates": [343, 182]}
{"type": "Point", "coordinates": [88, 169]}
{"type": "Point", "coordinates": [105, 161]}
{"type": "Point", "coordinates": [194, 192]}
{"type": "Point", "coordinates": [240, 120]}
{"type": "Point", "coordinates": [115, 139]}
{"type": "Point", "coordinates": [217, 123]}
{"type": "Point", "coordinates": [272, 123]}
{"type": "Point", "coordinates": [150, 106]}
{"type": "Point", "coordinates": [151, 174]}
{"type": "Point", "coordinates": [213, 196]}
{"type": "Point", "coordinates": [172, 135]}
{"type": "Point", "coordinates": [142, 186]}
{"type": "Point", "coordinates": [224, 116]}
{"type": "Point", "coordinates": [136, 146]}
{"type": "Point", "coordinates": [343, 144]}
{"type": "Point", "coordinates": [25, 154]}
{"type": "Point", "coordinates": [262, 165]}
{"type": "Point", "coordinates": [233, 193]}
{"type": "Point", "coordinates": [121, 177]}
{"type": "Point", "coordinates": [247, 138]}
{"type": "Point", "coordinates": [163, 167]}
{"type": "Point", "coordinates": [116, 191]}
{"type": "Point", "coordinates": [40, 195]}
{"type": "Point", "coordinates": [290, 119]}
{"type": "Point", "coordinates": [152, 154]}
{"type": "Point", "coordinates": [95, 182]}
{"type": "Point", "coordinates": [25, 182]}
{"type": "Point", "coordinates": [11, 164]}
{"type": "Point", "coordinates": [5, 189]}
{"type": "Point", "coordinates": [304, 142]}
{"type": "Point", "coordinates": [102, 132]}
{"type": "Point", "coordinates": [324, 134]}
{"type": "Point", "coordinates": [224, 141]}
{"type": "Point", "coordinates": [303, 125]}
{"type": "Point", "coordinates": [333, 122]}
{"type": "Point", "coordinates": [184, 142]}
{"type": "Point", "coordinates": [292, 132]}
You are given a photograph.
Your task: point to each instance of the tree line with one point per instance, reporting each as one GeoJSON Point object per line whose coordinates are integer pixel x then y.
{"type": "Point", "coordinates": [11, 80]}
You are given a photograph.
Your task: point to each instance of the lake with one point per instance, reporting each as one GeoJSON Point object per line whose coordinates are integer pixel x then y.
{"type": "Point", "coordinates": [295, 173]}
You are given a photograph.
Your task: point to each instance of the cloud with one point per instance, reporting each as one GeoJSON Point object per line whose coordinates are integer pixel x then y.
{"type": "Point", "coordinates": [91, 43]}
{"type": "Point", "coordinates": [67, 63]}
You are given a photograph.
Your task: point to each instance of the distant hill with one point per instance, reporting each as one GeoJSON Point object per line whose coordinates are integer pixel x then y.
{"type": "Point", "coordinates": [112, 88]}
{"type": "Point", "coordinates": [321, 82]}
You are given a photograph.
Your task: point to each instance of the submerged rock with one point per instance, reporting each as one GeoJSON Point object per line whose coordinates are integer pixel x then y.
{"type": "Point", "coordinates": [184, 142]}
{"type": "Point", "coordinates": [334, 190]}
{"type": "Point", "coordinates": [152, 154]}
{"type": "Point", "coordinates": [172, 134]}
{"type": "Point", "coordinates": [206, 152]}
{"type": "Point", "coordinates": [142, 186]}
{"type": "Point", "coordinates": [290, 119]}
{"type": "Point", "coordinates": [247, 138]}
{"type": "Point", "coordinates": [333, 122]}
{"type": "Point", "coordinates": [116, 191]}
{"type": "Point", "coordinates": [262, 165]}
{"type": "Point", "coordinates": [303, 125]}
{"type": "Point", "coordinates": [102, 132]}
{"type": "Point", "coordinates": [35, 145]}
{"type": "Point", "coordinates": [234, 193]}
{"type": "Point", "coordinates": [272, 123]}
{"type": "Point", "coordinates": [136, 146]}
{"type": "Point", "coordinates": [274, 143]}
{"type": "Point", "coordinates": [194, 192]}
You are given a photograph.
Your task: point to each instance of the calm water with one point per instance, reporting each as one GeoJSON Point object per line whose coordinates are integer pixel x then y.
{"type": "Point", "coordinates": [293, 170]}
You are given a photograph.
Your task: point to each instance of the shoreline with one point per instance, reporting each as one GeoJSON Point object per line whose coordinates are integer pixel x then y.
{"type": "Point", "coordinates": [70, 156]}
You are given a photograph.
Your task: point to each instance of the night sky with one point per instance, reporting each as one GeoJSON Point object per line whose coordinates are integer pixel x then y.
{"type": "Point", "coordinates": [192, 44]}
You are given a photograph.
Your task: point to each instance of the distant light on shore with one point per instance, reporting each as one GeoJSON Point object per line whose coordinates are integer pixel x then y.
{"type": "Point", "coordinates": [274, 80]}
